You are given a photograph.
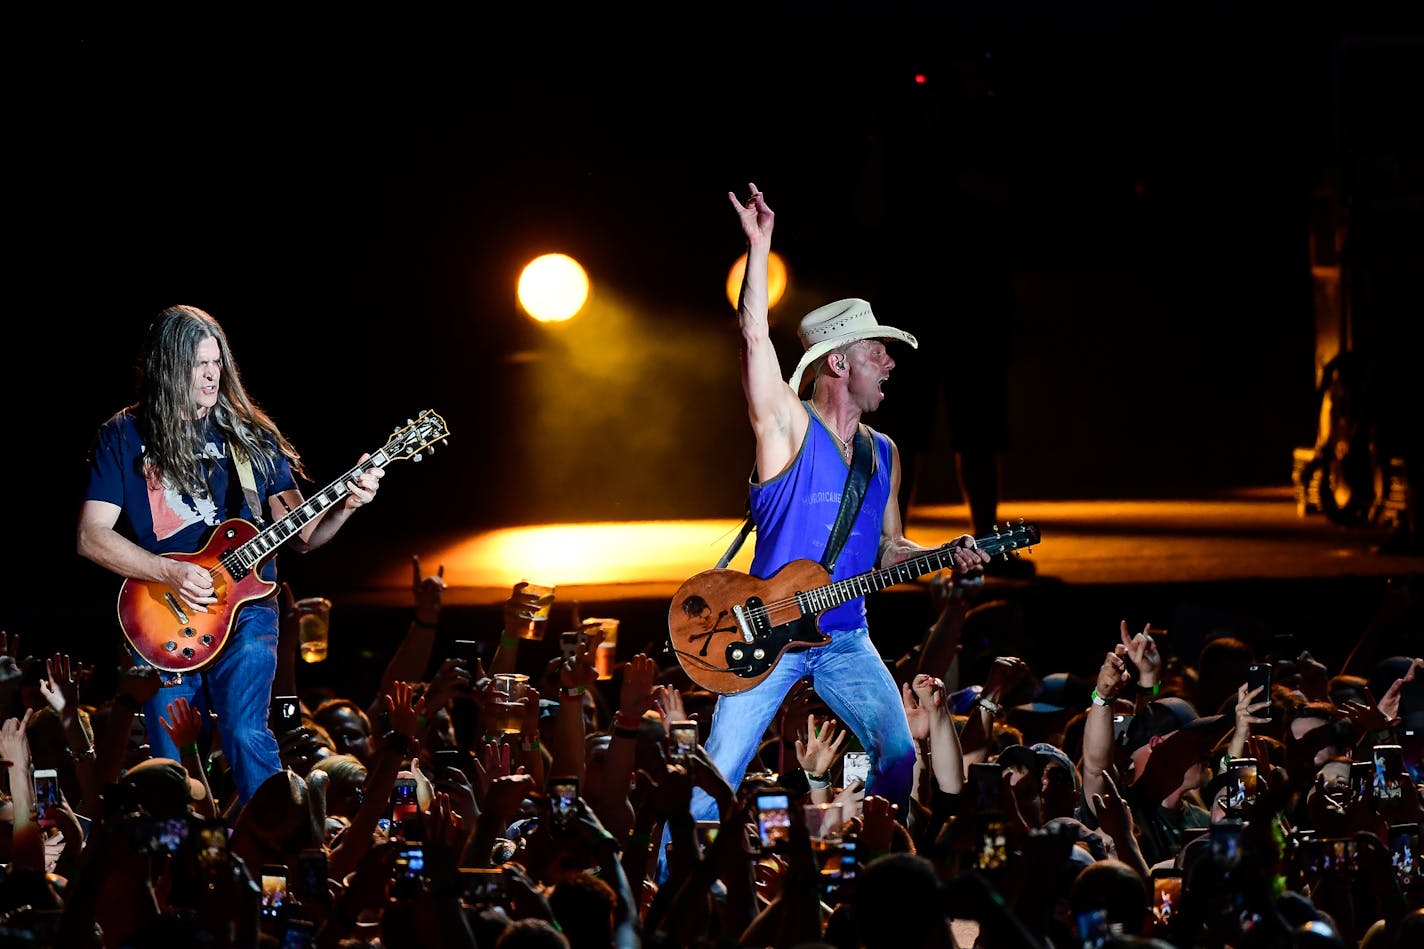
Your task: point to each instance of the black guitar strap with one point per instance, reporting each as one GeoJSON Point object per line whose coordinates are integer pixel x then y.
{"type": "Point", "coordinates": [851, 500]}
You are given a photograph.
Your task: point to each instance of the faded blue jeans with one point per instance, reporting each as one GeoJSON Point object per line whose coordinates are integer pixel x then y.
{"type": "Point", "coordinates": [850, 676]}
{"type": "Point", "coordinates": [240, 685]}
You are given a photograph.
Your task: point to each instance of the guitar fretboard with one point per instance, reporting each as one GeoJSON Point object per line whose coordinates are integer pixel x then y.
{"type": "Point", "coordinates": [241, 560]}
{"type": "Point", "coordinates": [843, 591]}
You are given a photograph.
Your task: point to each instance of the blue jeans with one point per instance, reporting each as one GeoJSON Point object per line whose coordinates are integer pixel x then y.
{"type": "Point", "coordinates": [850, 676]}
{"type": "Point", "coordinates": [240, 686]}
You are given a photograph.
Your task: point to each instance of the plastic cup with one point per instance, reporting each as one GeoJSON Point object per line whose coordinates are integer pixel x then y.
{"type": "Point", "coordinates": [536, 620]}
{"type": "Point", "coordinates": [314, 635]}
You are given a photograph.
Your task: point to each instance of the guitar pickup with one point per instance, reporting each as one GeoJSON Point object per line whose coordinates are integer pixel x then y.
{"type": "Point", "coordinates": [178, 610]}
{"type": "Point", "coordinates": [740, 615]}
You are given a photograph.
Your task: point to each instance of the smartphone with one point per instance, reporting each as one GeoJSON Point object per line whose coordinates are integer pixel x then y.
{"type": "Point", "coordinates": [1093, 929]}
{"type": "Point", "coordinates": [312, 872]}
{"type": "Point", "coordinates": [682, 740]}
{"type": "Point", "coordinates": [570, 642]}
{"type": "Point", "coordinates": [450, 758]}
{"type": "Point", "coordinates": [986, 786]}
{"type": "Point", "coordinates": [773, 818]}
{"type": "Point", "coordinates": [285, 715]}
{"type": "Point", "coordinates": [1259, 674]}
{"type": "Point", "coordinates": [409, 868]}
{"type": "Point", "coordinates": [1166, 894]}
{"type": "Point", "coordinates": [707, 832]}
{"type": "Point", "coordinates": [1404, 854]}
{"type": "Point", "coordinates": [155, 835]}
{"type": "Point", "coordinates": [1389, 772]}
{"type": "Point", "coordinates": [855, 764]}
{"type": "Point", "coordinates": [1120, 723]}
{"type": "Point", "coordinates": [563, 801]}
{"type": "Point", "coordinates": [469, 651]}
{"type": "Point", "coordinates": [210, 845]}
{"type": "Point", "coordinates": [1225, 838]}
{"type": "Point", "coordinates": [843, 870]}
{"type": "Point", "coordinates": [405, 806]}
{"type": "Point", "coordinates": [991, 851]}
{"type": "Point", "coordinates": [299, 934]}
{"type": "Point", "coordinates": [1242, 774]}
{"type": "Point", "coordinates": [483, 886]}
{"type": "Point", "coordinates": [1411, 740]}
{"type": "Point", "coordinates": [1362, 780]}
{"type": "Point", "coordinates": [274, 889]}
{"type": "Point", "coordinates": [46, 794]}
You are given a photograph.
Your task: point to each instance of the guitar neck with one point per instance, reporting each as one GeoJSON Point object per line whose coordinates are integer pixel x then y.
{"type": "Point", "coordinates": [843, 591]}
{"type": "Point", "coordinates": [264, 544]}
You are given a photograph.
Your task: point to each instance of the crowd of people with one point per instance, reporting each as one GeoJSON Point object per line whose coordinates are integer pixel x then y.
{"type": "Point", "coordinates": [1161, 806]}
{"type": "Point", "coordinates": [826, 796]}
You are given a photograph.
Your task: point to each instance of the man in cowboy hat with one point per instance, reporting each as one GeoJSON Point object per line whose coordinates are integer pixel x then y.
{"type": "Point", "coordinates": [803, 450]}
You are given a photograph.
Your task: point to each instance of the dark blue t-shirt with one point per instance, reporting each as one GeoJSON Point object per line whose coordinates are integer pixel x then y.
{"type": "Point", "coordinates": [161, 518]}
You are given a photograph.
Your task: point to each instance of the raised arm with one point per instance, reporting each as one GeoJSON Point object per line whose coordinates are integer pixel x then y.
{"type": "Point", "coordinates": [776, 414]}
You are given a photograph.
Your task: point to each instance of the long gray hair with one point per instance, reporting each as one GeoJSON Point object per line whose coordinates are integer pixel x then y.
{"type": "Point", "coordinates": [173, 439]}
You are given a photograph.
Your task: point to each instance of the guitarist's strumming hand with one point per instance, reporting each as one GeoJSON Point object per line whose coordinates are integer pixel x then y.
{"type": "Point", "coordinates": [193, 582]}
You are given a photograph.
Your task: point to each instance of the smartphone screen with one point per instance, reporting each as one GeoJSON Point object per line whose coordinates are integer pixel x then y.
{"type": "Point", "coordinates": [1093, 929]}
{"type": "Point", "coordinates": [773, 819]}
{"type": "Point", "coordinates": [210, 838]}
{"type": "Point", "coordinates": [1120, 723]}
{"type": "Point", "coordinates": [1241, 784]}
{"type": "Point", "coordinates": [563, 801]}
{"type": "Point", "coordinates": [405, 806]}
{"type": "Point", "coordinates": [483, 886]}
{"type": "Point", "coordinates": [1225, 837]}
{"type": "Point", "coordinates": [286, 714]}
{"type": "Point", "coordinates": [569, 643]}
{"type": "Point", "coordinates": [312, 873]}
{"type": "Point", "coordinates": [1362, 780]}
{"type": "Point", "coordinates": [986, 786]}
{"type": "Point", "coordinates": [855, 764]}
{"type": "Point", "coordinates": [46, 794]}
{"type": "Point", "coordinates": [274, 889]}
{"type": "Point", "coordinates": [1259, 674]}
{"type": "Point", "coordinates": [1404, 854]}
{"type": "Point", "coordinates": [1389, 772]}
{"type": "Point", "coordinates": [154, 835]}
{"type": "Point", "coordinates": [682, 740]}
{"type": "Point", "coordinates": [992, 841]}
{"type": "Point", "coordinates": [299, 934]}
{"type": "Point", "coordinates": [1166, 894]}
{"type": "Point", "coordinates": [707, 832]}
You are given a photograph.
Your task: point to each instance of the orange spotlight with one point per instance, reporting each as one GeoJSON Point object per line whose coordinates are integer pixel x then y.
{"type": "Point", "coordinates": [775, 279]}
{"type": "Point", "coordinates": [553, 288]}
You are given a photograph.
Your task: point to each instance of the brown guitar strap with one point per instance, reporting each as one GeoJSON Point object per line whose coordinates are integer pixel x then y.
{"type": "Point", "coordinates": [851, 500]}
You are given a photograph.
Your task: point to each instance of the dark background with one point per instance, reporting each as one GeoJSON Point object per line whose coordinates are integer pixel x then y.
{"type": "Point", "coordinates": [352, 194]}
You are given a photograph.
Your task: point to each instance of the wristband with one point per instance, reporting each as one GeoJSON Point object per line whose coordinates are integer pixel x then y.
{"type": "Point", "coordinates": [993, 708]}
{"type": "Point", "coordinates": [1098, 699]}
{"type": "Point", "coordinates": [575, 693]}
{"type": "Point", "coordinates": [817, 782]}
{"type": "Point", "coordinates": [508, 641]}
{"type": "Point", "coordinates": [417, 621]}
{"type": "Point", "coordinates": [188, 750]}
{"type": "Point", "coordinates": [1156, 689]}
{"type": "Point", "coordinates": [530, 745]}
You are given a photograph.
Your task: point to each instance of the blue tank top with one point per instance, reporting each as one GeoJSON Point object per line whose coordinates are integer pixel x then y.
{"type": "Point", "coordinates": [795, 511]}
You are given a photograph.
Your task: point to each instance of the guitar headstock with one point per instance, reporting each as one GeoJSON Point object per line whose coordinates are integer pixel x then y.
{"type": "Point", "coordinates": [1015, 537]}
{"type": "Point", "coordinates": [417, 435]}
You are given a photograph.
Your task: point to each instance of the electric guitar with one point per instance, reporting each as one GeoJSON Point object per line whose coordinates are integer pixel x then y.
{"type": "Point", "coordinates": [172, 636]}
{"type": "Point", "coordinates": [728, 629]}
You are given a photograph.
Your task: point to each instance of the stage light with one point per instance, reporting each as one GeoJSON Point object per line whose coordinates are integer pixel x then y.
{"type": "Point", "coordinates": [553, 288]}
{"type": "Point", "coordinates": [775, 279]}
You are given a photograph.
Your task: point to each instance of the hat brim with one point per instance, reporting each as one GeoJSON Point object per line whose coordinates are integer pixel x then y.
{"type": "Point", "coordinates": [797, 379]}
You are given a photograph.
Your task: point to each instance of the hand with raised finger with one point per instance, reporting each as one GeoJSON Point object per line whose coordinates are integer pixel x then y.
{"type": "Point", "coordinates": [1142, 651]}
{"type": "Point", "coordinates": [916, 714]}
{"type": "Point", "coordinates": [821, 747]}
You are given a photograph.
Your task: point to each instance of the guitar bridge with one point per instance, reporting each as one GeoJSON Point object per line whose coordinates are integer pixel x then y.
{"type": "Point", "coordinates": [178, 611]}
{"type": "Point", "coordinates": [739, 614]}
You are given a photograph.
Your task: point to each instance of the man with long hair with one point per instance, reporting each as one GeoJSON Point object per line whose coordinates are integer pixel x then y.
{"type": "Point", "coordinates": [192, 452]}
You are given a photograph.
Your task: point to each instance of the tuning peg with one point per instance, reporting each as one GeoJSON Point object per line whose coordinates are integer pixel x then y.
{"type": "Point", "coordinates": [417, 457]}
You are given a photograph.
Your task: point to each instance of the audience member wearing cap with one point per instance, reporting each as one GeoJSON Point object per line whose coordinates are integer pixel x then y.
{"type": "Point", "coordinates": [162, 788]}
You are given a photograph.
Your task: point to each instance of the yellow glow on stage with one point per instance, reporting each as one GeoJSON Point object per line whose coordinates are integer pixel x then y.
{"type": "Point", "coordinates": [775, 279]}
{"type": "Point", "coordinates": [553, 288]}
{"type": "Point", "coordinates": [596, 553]}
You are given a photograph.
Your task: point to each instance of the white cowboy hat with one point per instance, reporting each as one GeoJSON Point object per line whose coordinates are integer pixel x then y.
{"type": "Point", "coordinates": [834, 325]}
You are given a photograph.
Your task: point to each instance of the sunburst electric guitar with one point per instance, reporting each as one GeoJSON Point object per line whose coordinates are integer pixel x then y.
{"type": "Point", "coordinates": [728, 629]}
{"type": "Point", "coordinates": [169, 634]}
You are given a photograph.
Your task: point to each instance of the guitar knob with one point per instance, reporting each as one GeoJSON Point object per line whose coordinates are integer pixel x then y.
{"type": "Point", "coordinates": [190, 631]}
{"type": "Point", "coordinates": [187, 652]}
{"type": "Point", "coordinates": [737, 654]}
{"type": "Point", "coordinates": [758, 654]}
{"type": "Point", "coordinates": [171, 646]}
{"type": "Point", "coordinates": [208, 639]}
